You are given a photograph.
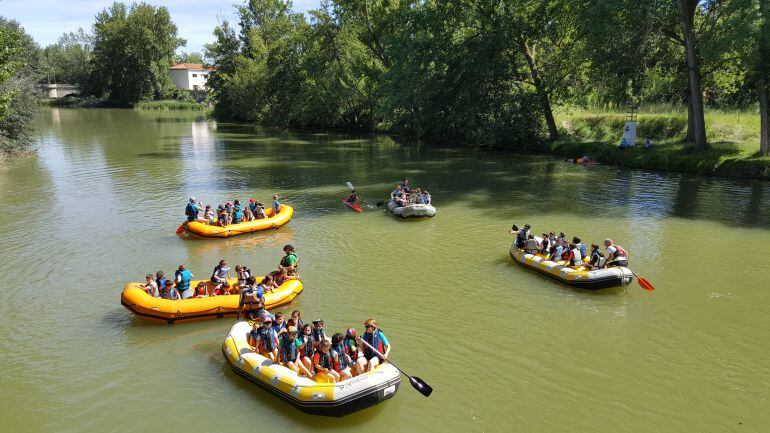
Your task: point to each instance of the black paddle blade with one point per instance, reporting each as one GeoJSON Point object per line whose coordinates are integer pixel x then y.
{"type": "Point", "coordinates": [420, 385]}
{"type": "Point", "coordinates": [380, 203]}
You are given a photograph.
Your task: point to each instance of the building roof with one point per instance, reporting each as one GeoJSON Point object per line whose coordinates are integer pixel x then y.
{"type": "Point", "coordinates": [190, 66]}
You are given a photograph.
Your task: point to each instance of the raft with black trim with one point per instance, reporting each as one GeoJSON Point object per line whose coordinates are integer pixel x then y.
{"type": "Point", "coordinates": [316, 398]}
{"type": "Point", "coordinates": [136, 300]}
{"type": "Point", "coordinates": [200, 227]}
{"type": "Point", "coordinates": [580, 278]}
{"type": "Point", "coordinates": [412, 210]}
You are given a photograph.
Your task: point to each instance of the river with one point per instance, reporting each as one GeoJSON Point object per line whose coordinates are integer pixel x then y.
{"type": "Point", "coordinates": [505, 349]}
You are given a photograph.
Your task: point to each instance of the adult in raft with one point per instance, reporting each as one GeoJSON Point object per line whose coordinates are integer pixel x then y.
{"type": "Point", "coordinates": [616, 255]}
{"type": "Point", "coordinates": [182, 278]}
{"type": "Point", "coordinates": [191, 210]}
{"type": "Point", "coordinates": [290, 261]}
{"type": "Point", "coordinates": [374, 336]}
{"type": "Point", "coordinates": [252, 298]}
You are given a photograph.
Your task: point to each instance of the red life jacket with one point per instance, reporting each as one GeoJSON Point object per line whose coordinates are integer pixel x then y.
{"type": "Point", "coordinates": [620, 251]}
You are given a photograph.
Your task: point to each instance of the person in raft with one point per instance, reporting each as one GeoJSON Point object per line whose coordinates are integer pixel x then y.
{"type": "Point", "coordinates": [151, 287]}
{"type": "Point", "coordinates": [405, 185]}
{"type": "Point", "coordinates": [343, 361]}
{"type": "Point", "coordinates": [276, 204]}
{"type": "Point", "coordinates": [182, 278]}
{"type": "Point", "coordinates": [324, 363]}
{"type": "Point", "coordinates": [169, 292]}
{"type": "Point", "coordinates": [252, 299]}
{"type": "Point", "coordinates": [616, 255]}
{"type": "Point", "coordinates": [289, 352]}
{"type": "Point", "coordinates": [266, 341]}
{"type": "Point", "coordinates": [191, 210]}
{"type": "Point", "coordinates": [308, 346]}
{"type": "Point", "coordinates": [353, 197]}
{"type": "Point", "coordinates": [221, 273]}
{"type": "Point", "coordinates": [290, 261]}
{"type": "Point", "coordinates": [375, 338]}
{"type": "Point", "coordinates": [522, 235]}
{"type": "Point", "coordinates": [597, 260]}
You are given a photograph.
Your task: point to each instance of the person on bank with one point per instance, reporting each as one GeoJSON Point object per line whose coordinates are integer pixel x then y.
{"type": "Point", "coordinates": [616, 255]}
{"type": "Point", "coordinates": [375, 338]}
{"type": "Point", "coordinates": [182, 278]}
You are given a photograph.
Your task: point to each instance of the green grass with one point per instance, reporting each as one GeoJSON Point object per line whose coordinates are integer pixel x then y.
{"type": "Point", "coordinates": [733, 141]}
{"type": "Point", "coordinates": [169, 105]}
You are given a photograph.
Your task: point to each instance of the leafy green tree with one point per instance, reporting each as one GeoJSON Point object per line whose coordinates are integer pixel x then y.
{"type": "Point", "coordinates": [188, 58]}
{"type": "Point", "coordinates": [68, 60]}
{"type": "Point", "coordinates": [339, 86]}
{"type": "Point", "coordinates": [133, 48]}
{"type": "Point", "coordinates": [19, 72]}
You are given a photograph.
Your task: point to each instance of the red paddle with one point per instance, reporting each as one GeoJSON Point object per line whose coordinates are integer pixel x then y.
{"type": "Point", "coordinates": [646, 285]}
{"type": "Point", "coordinates": [181, 229]}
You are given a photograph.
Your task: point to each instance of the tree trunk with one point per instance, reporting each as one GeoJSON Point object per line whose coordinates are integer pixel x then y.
{"type": "Point", "coordinates": [764, 120]}
{"type": "Point", "coordinates": [690, 129]}
{"type": "Point", "coordinates": [542, 94]}
{"type": "Point", "coordinates": [763, 86]}
{"type": "Point", "coordinates": [687, 20]}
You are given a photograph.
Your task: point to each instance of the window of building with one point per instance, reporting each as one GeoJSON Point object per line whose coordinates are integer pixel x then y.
{"type": "Point", "coordinates": [195, 87]}
{"type": "Point", "coordinates": [194, 75]}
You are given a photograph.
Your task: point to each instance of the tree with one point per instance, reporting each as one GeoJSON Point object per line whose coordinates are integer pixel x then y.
{"type": "Point", "coordinates": [687, 11]}
{"type": "Point", "coordinates": [68, 61]}
{"type": "Point", "coordinates": [18, 73]}
{"type": "Point", "coordinates": [545, 33]}
{"type": "Point", "coordinates": [188, 58]}
{"type": "Point", "coordinates": [762, 71]}
{"type": "Point", "coordinates": [133, 48]}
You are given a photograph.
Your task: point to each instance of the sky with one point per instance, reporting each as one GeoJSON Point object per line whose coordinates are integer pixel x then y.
{"type": "Point", "coordinates": [46, 20]}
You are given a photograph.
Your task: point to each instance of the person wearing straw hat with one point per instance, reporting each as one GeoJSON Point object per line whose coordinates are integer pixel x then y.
{"type": "Point", "coordinates": [376, 339]}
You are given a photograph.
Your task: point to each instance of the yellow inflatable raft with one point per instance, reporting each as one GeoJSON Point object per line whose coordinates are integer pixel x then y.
{"type": "Point", "coordinates": [581, 278]}
{"type": "Point", "coordinates": [145, 306]}
{"type": "Point", "coordinates": [201, 228]}
{"type": "Point", "coordinates": [330, 399]}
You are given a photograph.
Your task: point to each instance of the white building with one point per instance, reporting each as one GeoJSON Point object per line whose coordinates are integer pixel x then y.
{"type": "Point", "coordinates": [189, 76]}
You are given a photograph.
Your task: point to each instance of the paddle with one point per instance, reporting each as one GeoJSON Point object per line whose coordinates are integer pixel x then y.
{"type": "Point", "coordinates": [646, 285]}
{"type": "Point", "coordinates": [416, 382]}
{"type": "Point", "coordinates": [180, 229]}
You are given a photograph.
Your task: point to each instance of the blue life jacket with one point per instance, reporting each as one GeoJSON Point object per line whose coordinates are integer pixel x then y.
{"type": "Point", "coordinates": [267, 338]}
{"type": "Point", "coordinates": [375, 340]}
{"type": "Point", "coordinates": [288, 348]}
{"type": "Point", "coordinates": [237, 216]}
{"type": "Point", "coordinates": [318, 335]}
{"type": "Point", "coordinates": [339, 350]}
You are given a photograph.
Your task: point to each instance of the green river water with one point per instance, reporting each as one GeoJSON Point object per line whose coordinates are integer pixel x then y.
{"type": "Point", "coordinates": [504, 348]}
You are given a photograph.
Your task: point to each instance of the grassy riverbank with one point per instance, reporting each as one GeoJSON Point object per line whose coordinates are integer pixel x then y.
{"type": "Point", "coordinates": [733, 138]}
{"type": "Point", "coordinates": [94, 102]}
{"type": "Point", "coordinates": [169, 104]}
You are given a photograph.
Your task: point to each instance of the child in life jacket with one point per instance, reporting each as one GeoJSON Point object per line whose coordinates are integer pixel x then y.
{"type": "Point", "coordinates": [324, 363]}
